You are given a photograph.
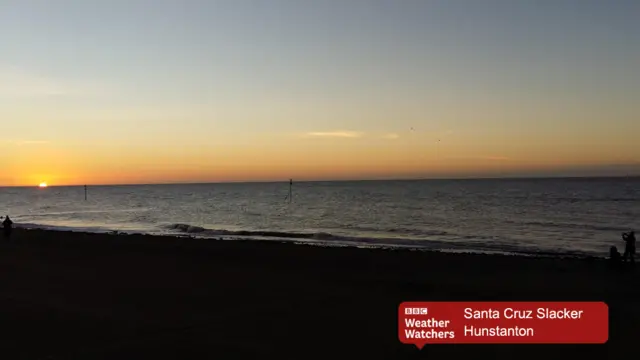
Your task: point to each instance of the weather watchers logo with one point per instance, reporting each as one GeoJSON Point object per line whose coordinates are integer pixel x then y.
{"type": "Point", "coordinates": [421, 323]}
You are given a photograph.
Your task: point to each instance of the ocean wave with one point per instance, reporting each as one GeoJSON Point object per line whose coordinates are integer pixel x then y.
{"type": "Point", "coordinates": [90, 229]}
{"type": "Point", "coordinates": [399, 230]}
{"type": "Point", "coordinates": [85, 229]}
{"type": "Point", "coordinates": [577, 226]}
{"type": "Point", "coordinates": [461, 244]}
{"type": "Point", "coordinates": [191, 229]}
{"type": "Point", "coordinates": [467, 244]}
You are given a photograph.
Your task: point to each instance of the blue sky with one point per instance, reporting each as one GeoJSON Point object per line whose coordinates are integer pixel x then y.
{"type": "Point", "coordinates": [215, 71]}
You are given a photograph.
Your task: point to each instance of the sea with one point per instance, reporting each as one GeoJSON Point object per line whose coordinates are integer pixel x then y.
{"type": "Point", "coordinates": [543, 216]}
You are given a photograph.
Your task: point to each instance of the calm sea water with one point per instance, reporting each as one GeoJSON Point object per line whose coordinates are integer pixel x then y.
{"type": "Point", "coordinates": [575, 216]}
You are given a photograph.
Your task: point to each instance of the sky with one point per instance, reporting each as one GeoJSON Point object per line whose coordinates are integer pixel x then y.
{"type": "Point", "coordinates": [159, 91]}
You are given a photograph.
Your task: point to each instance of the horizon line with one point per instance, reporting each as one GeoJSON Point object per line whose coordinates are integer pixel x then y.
{"type": "Point", "coordinates": [515, 177]}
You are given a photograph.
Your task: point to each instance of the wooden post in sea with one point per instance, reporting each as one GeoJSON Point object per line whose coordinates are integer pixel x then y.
{"type": "Point", "coordinates": [290, 185]}
{"type": "Point", "coordinates": [85, 193]}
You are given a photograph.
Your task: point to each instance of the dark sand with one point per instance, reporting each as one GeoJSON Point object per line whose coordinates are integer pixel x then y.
{"type": "Point", "coordinates": [87, 296]}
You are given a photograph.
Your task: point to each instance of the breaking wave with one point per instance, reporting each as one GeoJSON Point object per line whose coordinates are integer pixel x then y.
{"type": "Point", "coordinates": [468, 244]}
{"type": "Point", "coordinates": [460, 244]}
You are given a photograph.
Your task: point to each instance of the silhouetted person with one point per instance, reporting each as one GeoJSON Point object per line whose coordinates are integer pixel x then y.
{"type": "Point", "coordinates": [630, 246]}
{"type": "Point", "coordinates": [8, 227]}
{"type": "Point", "coordinates": [614, 256]}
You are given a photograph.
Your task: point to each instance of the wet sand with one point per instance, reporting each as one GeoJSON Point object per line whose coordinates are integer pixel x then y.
{"type": "Point", "coordinates": [96, 296]}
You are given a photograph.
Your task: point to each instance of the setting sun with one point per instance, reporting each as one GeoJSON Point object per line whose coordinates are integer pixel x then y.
{"type": "Point", "coordinates": [43, 185]}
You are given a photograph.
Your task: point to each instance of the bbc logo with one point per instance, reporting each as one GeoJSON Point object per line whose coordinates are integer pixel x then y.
{"type": "Point", "coordinates": [416, 311]}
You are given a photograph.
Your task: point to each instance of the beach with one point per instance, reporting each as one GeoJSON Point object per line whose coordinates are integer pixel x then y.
{"type": "Point", "coordinates": [73, 295]}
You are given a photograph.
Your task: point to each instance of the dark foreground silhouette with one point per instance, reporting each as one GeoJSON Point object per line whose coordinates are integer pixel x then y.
{"type": "Point", "coordinates": [7, 226]}
{"type": "Point", "coordinates": [81, 296]}
{"type": "Point", "coordinates": [629, 246]}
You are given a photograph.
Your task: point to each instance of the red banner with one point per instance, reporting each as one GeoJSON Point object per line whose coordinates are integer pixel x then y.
{"type": "Point", "coordinates": [422, 323]}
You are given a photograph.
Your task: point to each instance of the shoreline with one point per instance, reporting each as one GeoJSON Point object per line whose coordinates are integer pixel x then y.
{"type": "Point", "coordinates": [301, 240]}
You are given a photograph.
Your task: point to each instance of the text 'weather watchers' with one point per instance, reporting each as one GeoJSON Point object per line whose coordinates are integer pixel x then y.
{"type": "Point", "coordinates": [422, 323]}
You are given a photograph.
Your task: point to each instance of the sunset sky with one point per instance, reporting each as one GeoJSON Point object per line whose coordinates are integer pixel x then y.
{"type": "Point", "coordinates": [157, 91]}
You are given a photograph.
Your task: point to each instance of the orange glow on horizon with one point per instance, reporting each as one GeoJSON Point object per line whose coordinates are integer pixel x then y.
{"type": "Point", "coordinates": [281, 171]}
{"type": "Point", "coordinates": [273, 159]}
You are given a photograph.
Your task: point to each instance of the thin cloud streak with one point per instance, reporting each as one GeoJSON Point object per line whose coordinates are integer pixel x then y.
{"type": "Point", "coordinates": [338, 134]}
{"type": "Point", "coordinates": [34, 142]}
{"type": "Point", "coordinates": [28, 142]}
{"type": "Point", "coordinates": [489, 158]}
{"type": "Point", "coordinates": [391, 136]}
